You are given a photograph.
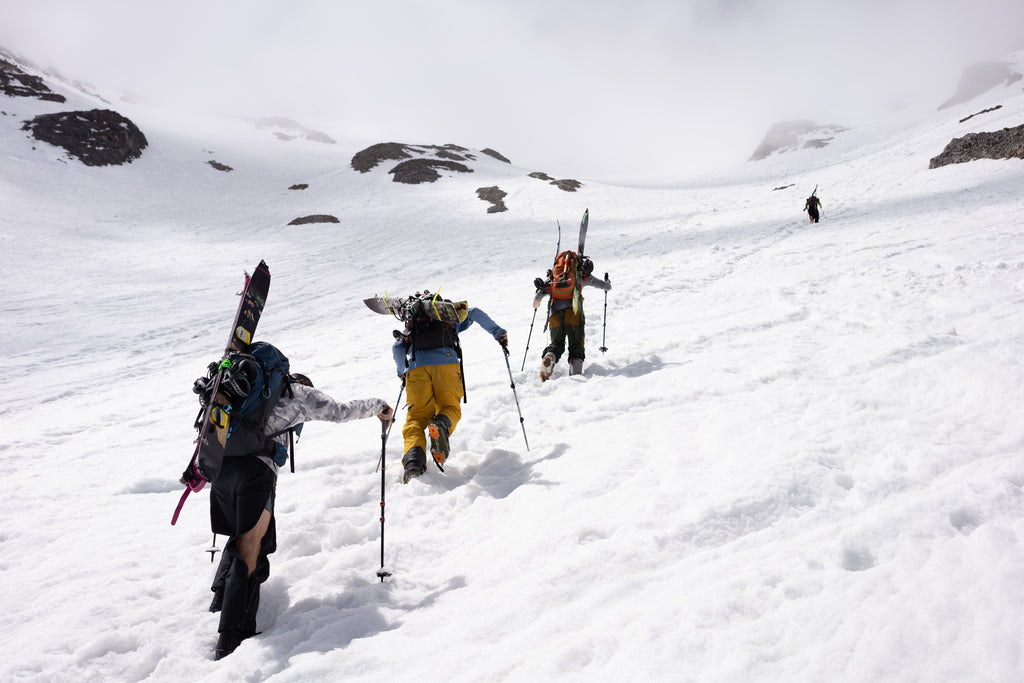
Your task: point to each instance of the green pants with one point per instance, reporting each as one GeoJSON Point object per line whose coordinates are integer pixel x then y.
{"type": "Point", "coordinates": [566, 326]}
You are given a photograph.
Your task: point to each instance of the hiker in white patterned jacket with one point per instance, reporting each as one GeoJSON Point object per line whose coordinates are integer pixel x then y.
{"type": "Point", "coordinates": [242, 507]}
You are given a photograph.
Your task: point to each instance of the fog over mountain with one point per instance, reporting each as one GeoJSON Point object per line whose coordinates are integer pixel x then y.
{"type": "Point", "coordinates": [602, 89]}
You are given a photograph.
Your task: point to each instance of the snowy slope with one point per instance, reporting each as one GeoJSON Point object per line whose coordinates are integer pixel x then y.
{"type": "Point", "coordinates": [800, 458]}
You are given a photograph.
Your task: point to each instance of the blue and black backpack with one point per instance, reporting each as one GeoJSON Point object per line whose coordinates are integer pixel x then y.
{"type": "Point", "coordinates": [250, 388]}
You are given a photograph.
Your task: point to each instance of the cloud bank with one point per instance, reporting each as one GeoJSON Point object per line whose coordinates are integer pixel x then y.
{"type": "Point", "coordinates": [598, 89]}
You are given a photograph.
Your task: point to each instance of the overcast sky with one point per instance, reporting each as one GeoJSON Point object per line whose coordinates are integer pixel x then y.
{"type": "Point", "coordinates": [594, 89]}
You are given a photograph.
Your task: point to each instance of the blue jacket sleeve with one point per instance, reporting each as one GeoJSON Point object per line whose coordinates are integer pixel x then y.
{"type": "Point", "coordinates": [399, 351]}
{"type": "Point", "coordinates": [482, 319]}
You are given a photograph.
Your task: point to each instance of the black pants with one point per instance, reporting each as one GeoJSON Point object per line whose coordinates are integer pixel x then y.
{"type": "Point", "coordinates": [237, 500]}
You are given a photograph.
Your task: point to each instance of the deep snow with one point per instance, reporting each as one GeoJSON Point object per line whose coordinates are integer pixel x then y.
{"type": "Point", "coordinates": [799, 460]}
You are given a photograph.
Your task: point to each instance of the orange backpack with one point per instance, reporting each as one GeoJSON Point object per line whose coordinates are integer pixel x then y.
{"type": "Point", "coordinates": [565, 276]}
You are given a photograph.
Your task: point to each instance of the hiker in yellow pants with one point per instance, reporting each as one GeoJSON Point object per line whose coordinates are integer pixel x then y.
{"type": "Point", "coordinates": [428, 357]}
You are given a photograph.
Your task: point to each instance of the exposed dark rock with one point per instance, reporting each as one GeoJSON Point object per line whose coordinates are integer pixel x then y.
{"type": "Point", "coordinates": [299, 186]}
{"type": "Point", "coordinates": [452, 156]}
{"type": "Point", "coordinates": [1007, 143]}
{"type": "Point", "coordinates": [567, 184]}
{"type": "Point", "coordinates": [981, 78]}
{"type": "Point", "coordinates": [16, 83]}
{"type": "Point", "coordinates": [415, 171]}
{"type": "Point", "coordinates": [788, 136]}
{"type": "Point", "coordinates": [782, 187]}
{"type": "Point", "coordinates": [219, 166]}
{"type": "Point", "coordinates": [317, 218]}
{"type": "Point", "coordinates": [495, 195]}
{"type": "Point", "coordinates": [491, 153]}
{"type": "Point", "coordinates": [365, 160]}
{"type": "Point", "coordinates": [99, 137]}
{"type": "Point", "coordinates": [979, 113]}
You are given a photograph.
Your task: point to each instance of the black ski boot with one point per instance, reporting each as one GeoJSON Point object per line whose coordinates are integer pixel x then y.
{"type": "Point", "coordinates": [439, 428]}
{"type": "Point", "coordinates": [228, 642]}
{"type": "Point", "coordinates": [415, 463]}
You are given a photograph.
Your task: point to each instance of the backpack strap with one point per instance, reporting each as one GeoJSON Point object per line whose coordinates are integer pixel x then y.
{"type": "Point", "coordinates": [290, 431]}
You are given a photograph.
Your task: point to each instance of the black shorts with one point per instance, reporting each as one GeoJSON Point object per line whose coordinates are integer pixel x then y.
{"type": "Point", "coordinates": [244, 489]}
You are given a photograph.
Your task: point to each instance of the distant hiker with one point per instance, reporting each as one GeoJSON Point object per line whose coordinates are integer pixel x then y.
{"type": "Point", "coordinates": [243, 497]}
{"type": "Point", "coordinates": [564, 283]}
{"type": "Point", "coordinates": [429, 360]}
{"type": "Point", "coordinates": [811, 207]}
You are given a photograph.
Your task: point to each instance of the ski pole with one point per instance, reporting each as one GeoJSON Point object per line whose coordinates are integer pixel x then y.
{"type": "Point", "coordinates": [213, 548]}
{"type": "Point", "coordinates": [528, 339]}
{"type": "Point", "coordinates": [385, 431]}
{"type": "Point", "coordinates": [604, 323]}
{"type": "Point", "coordinates": [522, 424]}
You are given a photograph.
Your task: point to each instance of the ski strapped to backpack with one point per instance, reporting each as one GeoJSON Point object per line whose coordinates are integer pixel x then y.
{"type": "Point", "coordinates": [569, 271]}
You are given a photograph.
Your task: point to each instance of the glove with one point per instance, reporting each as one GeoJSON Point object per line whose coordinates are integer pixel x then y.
{"type": "Point", "coordinates": [539, 284]}
{"type": "Point", "coordinates": [502, 338]}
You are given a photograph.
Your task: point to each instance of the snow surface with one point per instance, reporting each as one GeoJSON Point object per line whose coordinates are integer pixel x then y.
{"type": "Point", "coordinates": [800, 458]}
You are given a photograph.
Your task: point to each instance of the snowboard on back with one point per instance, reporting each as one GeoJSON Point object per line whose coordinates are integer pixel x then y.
{"type": "Point", "coordinates": [412, 307]}
{"type": "Point", "coordinates": [215, 421]}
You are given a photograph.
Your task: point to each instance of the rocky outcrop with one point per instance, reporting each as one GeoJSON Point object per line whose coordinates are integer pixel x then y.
{"type": "Point", "coordinates": [980, 78]}
{"type": "Point", "coordinates": [1007, 143]}
{"type": "Point", "coordinates": [316, 218]}
{"type": "Point", "coordinates": [99, 137]}
{"type": "Point", "coordinates": [426, 164]}
{"type": "Point", "coordinates": [15, 82]}
{"type": "Point", "coordinates": [789, 136]}
{"type": "Point", "coordinates": [416, 171]}
{"type": "Point", "coordinates": [495, 195]}
{"type": "Point", "coordinates": [368, 159]}
{"type": "Point", "coordinates": [491, 153]}
{"type": "Point", "coordinates": [565, 184]}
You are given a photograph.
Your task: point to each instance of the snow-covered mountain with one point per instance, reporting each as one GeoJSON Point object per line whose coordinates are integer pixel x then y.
{"type": "Point", "coordinates": [799, 459]}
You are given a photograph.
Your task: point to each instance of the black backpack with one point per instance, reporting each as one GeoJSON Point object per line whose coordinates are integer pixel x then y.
{"type": "Point", "coordinates": [425, 332]}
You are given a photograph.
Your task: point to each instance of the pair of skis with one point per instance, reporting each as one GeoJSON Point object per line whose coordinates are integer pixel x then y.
{"type": "Point", "coordinates": [215, 423]}
{"type": "Point", "coordinates": [577, 296]}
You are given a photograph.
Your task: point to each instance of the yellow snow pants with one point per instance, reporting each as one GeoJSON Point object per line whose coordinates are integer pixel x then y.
{"type": "Point", "coordinates": [431, 390]}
